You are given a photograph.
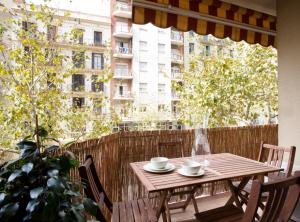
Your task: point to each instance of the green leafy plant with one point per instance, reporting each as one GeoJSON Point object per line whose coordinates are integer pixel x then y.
{"type": "Point", "coordinates": [36, 187]}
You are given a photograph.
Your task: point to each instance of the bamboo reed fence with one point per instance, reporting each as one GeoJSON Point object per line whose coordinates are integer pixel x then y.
{"type": "Point", "coordinates": [113, 153]}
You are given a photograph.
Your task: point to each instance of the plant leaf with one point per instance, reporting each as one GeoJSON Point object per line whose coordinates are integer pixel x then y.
{"type": "Point", "coordinates": [10, 209]}
{"type": "Point", "coordinates": [55, 183]}
{"type": "Point", "coordinates": [31, 206]}
{"type": "Point", "coordinates": [27, 167]}
{"type": "Point", "coordinates": [14, 175]}
{"type": "Point", "coordinates": [52, 173]}
{"type": "Point", "coordinates": [90, 206]}
{"type": "Point", "coordinates": [34, 193]}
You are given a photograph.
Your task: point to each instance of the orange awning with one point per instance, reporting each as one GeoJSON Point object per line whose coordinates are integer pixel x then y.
{"type": "Point", "coordinates": [208, 17]}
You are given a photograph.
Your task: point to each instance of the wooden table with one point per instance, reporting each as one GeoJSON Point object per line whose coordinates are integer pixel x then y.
{"type": "Point", "coordinates": [223, 166]}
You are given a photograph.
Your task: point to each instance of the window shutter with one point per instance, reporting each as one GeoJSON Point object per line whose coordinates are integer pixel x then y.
{"type": "Point", "coordinates": [93, 58]}
{"type": "Point", "coordinates": [102, 61]}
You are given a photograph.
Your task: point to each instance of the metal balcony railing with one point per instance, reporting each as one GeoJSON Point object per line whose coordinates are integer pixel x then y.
{"type": "Point", "coordinates": [175, 56]}
{"type": "Point", "coordinates": [177, 36]}
{"type": "Point", "coordinates": [123, 50]}
{"type": "Point", "coordinates": [122, 6]}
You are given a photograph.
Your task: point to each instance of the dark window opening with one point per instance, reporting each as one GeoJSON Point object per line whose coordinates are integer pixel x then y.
{"type": "Point", "coordinates": [78, 102]}
{"type": "Point", "coordinates": [98, 38]}
{"type": "Point", "coordinates": [78, 59]}
{"type": "Point", "coordinates": [78, 82]}
{"type": "Point", "coordinates": [97, 86]}
{"type": "Point", "coordinates": [97, 61]}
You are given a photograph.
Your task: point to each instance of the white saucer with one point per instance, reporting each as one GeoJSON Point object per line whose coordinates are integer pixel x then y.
{"type": "Point", "coordinates": [200, 173]}
{"type": "Point", "coordinates": [170, 167]}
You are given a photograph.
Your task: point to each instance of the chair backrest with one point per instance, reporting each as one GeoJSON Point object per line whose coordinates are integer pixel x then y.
{"type": "Point", "coordinates": [282, 199]}
{"type": "Point", "coordinates": [274, 155]}
{"type": "Point", "coordinates": [92, 185]}
{"type": "Point", "coordinates": [173, 149]}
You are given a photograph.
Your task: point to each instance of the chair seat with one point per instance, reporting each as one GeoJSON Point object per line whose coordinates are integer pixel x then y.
{"type": "Point", "coordinates": [133, 211]}
{"type": "Point", "coordinates": [228, 213]}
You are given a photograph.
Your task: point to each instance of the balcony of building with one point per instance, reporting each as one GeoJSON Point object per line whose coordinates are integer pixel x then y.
{"type": "Point", "coordinates": [125, 95]}
{"type": "Point", "coordinates": [176, 58]}
{"type": "Point", "coordinates": [176, 74]}
{"type": "Point", "coordinates": [176, 38]}
{"type": "Point", "coordinates": [122, 9]}
{"type": "Point", "coordinates": [85, 44]}
{"type": "Point", "coordinates": [175, 96]}
{"type": "Point", "coordinates": [122, 31]}
{"type": "Point", "coordinates": [121, 73]}
{"type": "Point", "coordinates": [123, 52]}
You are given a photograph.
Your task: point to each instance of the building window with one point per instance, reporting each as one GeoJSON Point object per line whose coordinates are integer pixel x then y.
{"type": "Point", "coordinates": [231, 53]}
{"type": "Point", "coordinates": [143, 87]}
{"type": "Point", "coordinates": [29, 27]}
{"type": "Point", "coordinates": [143, 66]}
{"type": "Point", "coordinates": [78, 59]}
{"type": "Point", "coordinates": [207, 50]}
{"type": "Point", "coordinates": [161, 107]}
{"type": "Point", "coordinates": [97, 61]}
{"type": "Point", "coordinates": [161, 88]}
{"type": "Point", "coordinates": [78, 102]}
{"type": "Point", "coordinates": [143, 108]}
{"type": "Point", "coordinates": [78, 36]}
{"type": "Point", "coordinates": [121, 69]}
{"type": "Point", "coordinates": [97, 38]}
{"type": "Point", "coordinates": [51, 33]}
{"type": "Point", "coordinates": [143, 46]}
{"type": "Point", "coordinates": [191, 47]}
{"type": "Point", "coordinates": [77, 82]}
{"type": "Point", "coordinates": [96, 85]}
{"type": "Point", "coordinates": [161, 48]}
{"type": "Point", "coordinates": [122, 90]}
{"type": "Point", "coordinates": [97, 105]}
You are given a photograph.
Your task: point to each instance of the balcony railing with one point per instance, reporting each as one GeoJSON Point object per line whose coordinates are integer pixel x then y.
{"type": "Point", "coordinates": [122, 31]}
{"type": "Point", "coordinates": [176, 74]}
{"type": "Point", "coordinates": [123, 96]}
{"type": "Point", "coordinates": [123, 52]}
{"type": "Point", "coordinates": [86, 43]}
{"type": "Point", "coordinates": [175, 96]}
{"type": "Point", "coordinates": [122, 73]}
{"type": "Point", "coordinates": [122, 9]}
{"type": "Point", "coordinates": [176, 38]}
{"type": "Point", "coordinates": [117, 175]}
{"type": "Point", "coordinates": [176, 58]}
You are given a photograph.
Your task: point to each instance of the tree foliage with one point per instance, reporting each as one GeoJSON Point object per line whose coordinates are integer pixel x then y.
{"type": "Point", "coordinates": [231, 90]}
{"type": "Point", "coordinates": [33, 69]}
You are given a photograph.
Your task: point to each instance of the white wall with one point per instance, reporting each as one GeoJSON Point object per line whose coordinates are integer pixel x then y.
{"type": "Point", "coordinates": [289, 73]}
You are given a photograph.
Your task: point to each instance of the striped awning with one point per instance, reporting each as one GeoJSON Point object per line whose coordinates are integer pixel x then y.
{"type": "Point", "coordinates": [208, 17]}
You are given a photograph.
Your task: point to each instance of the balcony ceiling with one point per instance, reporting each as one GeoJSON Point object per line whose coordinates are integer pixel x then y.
{"type": "Point", "coordinates": [266, 6]}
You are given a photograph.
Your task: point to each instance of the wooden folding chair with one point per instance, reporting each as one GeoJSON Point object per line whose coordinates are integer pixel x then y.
{"type": "Point", "coordinates": [283, 195]}
{"type": "Point", "coordinates": [129, 211]}
{"type": "Point", "coordinates": [273, 156]}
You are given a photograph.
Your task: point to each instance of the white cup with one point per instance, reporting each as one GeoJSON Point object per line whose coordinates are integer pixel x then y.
{"type": "Point", "coordinates": [191, 167]}
{"type": "Point", "coordinates": [159, 162]}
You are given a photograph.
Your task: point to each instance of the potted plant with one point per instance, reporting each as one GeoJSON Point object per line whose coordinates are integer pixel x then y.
{"type": "Point", "coordinates": [37, 187]}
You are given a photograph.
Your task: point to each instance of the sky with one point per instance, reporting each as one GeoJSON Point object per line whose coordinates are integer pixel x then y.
{"type": "Point", "coordinates": [86, 6]}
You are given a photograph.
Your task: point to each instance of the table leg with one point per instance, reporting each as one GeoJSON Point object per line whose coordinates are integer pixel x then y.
{"type": "Point", "coordinates": [235, 192]}
{"type": "Point", "coordinates": [161, 205]}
